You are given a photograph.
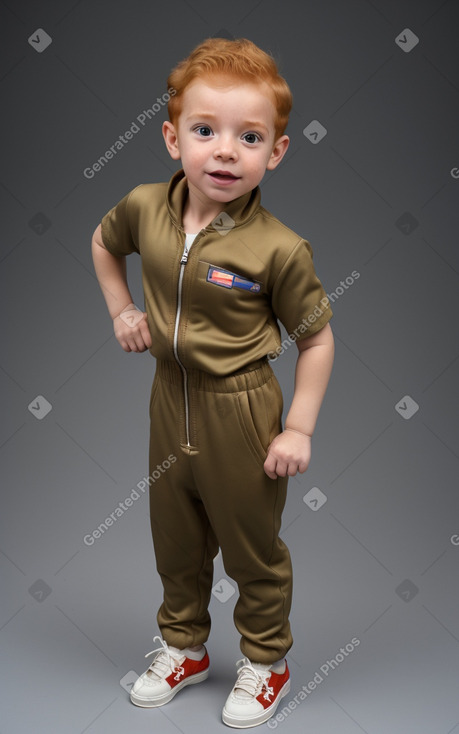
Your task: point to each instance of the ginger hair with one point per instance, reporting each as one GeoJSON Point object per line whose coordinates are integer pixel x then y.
{"type": "Point", "coordinates": [240, 59]}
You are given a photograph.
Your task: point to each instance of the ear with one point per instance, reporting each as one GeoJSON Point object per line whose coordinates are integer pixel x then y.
{"type": "Point", "coordinates": [278, 152]}
{"type": "Point", "coordinates": [171, 140]}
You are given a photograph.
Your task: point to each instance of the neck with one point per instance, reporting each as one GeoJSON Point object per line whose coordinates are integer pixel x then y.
{"type": "Point", "coordinates": [199, 210]}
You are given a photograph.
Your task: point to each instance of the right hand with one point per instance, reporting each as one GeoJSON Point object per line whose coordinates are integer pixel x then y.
{"type": "Point", "coordinates": [131, 330]}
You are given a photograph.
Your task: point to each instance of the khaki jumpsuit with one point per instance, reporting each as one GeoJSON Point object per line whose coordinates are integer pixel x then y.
{"type": "Point", "coordinates": [216, 404]}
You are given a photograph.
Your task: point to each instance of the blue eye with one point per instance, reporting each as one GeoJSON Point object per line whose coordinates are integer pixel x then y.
{"type": "Point", "coordinates": [204, 130]}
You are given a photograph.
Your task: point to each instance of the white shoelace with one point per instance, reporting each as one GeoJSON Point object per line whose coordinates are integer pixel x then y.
{"type": "Point", "coordinates": [164, 663]}
{"type": "Point", "coordinates": [251, 680]}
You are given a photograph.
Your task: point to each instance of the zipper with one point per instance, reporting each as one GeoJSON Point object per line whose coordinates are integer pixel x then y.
{"type": "Point", "coordinates": [183, 262]}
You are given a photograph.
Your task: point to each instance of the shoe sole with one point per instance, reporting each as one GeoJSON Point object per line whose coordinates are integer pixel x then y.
{"type": "Point", "coordinates": [240, 723]}
{"type": "Point", "coordinates": [169, 695]}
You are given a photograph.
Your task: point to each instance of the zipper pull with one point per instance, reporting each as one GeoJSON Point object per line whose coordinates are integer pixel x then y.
{"type": "Point", "coordinates": [184, 257]}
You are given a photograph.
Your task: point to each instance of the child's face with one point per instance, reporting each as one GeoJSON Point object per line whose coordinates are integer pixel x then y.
{"type": "Point", "coordinates": [225, 126]}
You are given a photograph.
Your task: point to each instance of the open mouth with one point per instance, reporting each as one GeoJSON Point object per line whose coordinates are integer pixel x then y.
{"type": "Point", "coordinates": [223, 176]}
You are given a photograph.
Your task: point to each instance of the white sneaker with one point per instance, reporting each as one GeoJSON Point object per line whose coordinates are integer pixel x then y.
{"type": "Point", "coordinates": [170, 671]}
{"type": "Point", "coordinates": [255, 696]}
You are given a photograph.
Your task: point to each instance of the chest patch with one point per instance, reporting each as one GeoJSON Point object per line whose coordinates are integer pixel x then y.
{"type": "Point", "coordinates": [227, 279]}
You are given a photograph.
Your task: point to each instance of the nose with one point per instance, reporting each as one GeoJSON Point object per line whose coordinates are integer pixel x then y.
{"type": "Point", "coordinates": [225, 149]}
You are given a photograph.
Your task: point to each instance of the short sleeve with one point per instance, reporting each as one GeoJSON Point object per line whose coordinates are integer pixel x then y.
{"type": "Point", "coordinates": [298, 298]}
{"type": "Point", "coordinates": [117, 228]}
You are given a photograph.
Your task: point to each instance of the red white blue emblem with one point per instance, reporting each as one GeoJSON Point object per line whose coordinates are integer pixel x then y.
{"type": "Point", "coordinates": [227, 279]}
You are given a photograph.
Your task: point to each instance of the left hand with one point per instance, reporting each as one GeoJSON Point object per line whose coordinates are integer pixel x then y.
{"type": "Point", "coordinates": [288, 453]}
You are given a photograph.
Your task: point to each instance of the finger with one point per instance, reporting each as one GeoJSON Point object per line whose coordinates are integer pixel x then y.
{"type": "Point", "coordinates": [269, 466]}
{"type": "Point", "coordinates": [122, 339]}
{"type": "Point", "coordinates": [132, 343]}
{"type": "Point", "coordinates": [141, 335]}
{"type": "Point", "coordinates": [281, 468]}
{"type": "Point", "coordinates": [138, 341]}
{"type": "Point", "coordinates": [303, 465]}
{"type": "Point", "coordinates": [146, 336]}
{"type": "Point", "coordinates": [124, 345]}
{"type": "Point", "coordinates": [292, 469]}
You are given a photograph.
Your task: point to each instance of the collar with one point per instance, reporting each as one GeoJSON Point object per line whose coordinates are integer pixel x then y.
{"type": "Point", "coordinates": [241, 210]}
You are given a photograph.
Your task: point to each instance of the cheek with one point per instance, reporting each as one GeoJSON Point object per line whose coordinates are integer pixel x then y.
{"type": "Point", "coordinates": [255, 166]}
{"type": "Point", "coordinates": [195, 154]}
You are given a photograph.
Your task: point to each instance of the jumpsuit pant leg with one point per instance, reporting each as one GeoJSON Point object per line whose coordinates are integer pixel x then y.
{"type": "Point", "coordinates": [183, 538]}
{"type": "Point", "coordinates": [216, 494]}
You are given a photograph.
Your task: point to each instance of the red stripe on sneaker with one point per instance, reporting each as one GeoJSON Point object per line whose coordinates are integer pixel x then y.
{"type": "Point", "coordinates": [270, 690]}
{"type": "Point", "coordinates": [188, 668]}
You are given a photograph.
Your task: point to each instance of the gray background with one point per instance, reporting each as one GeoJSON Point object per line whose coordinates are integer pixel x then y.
{"type": "Point", "coordinates": [378, 194]}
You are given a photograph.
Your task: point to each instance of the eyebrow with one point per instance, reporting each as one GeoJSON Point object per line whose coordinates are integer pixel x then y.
{"type": "Point", "coordinates": [210, 116]}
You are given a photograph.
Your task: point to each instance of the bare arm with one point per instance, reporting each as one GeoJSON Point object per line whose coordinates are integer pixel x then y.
{"type": "Point", "coordinates": [290, 451]}
{"type": "Point", "coordinates": [313, 370]}
{"type": "Point", "coordinates": [111, 274]}
{"type": "Point", "coordinates": [131, 329]}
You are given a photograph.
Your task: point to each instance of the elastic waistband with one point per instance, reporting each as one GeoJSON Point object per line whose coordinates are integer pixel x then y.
{"type": "Point", "coordinates": [252, 375]}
